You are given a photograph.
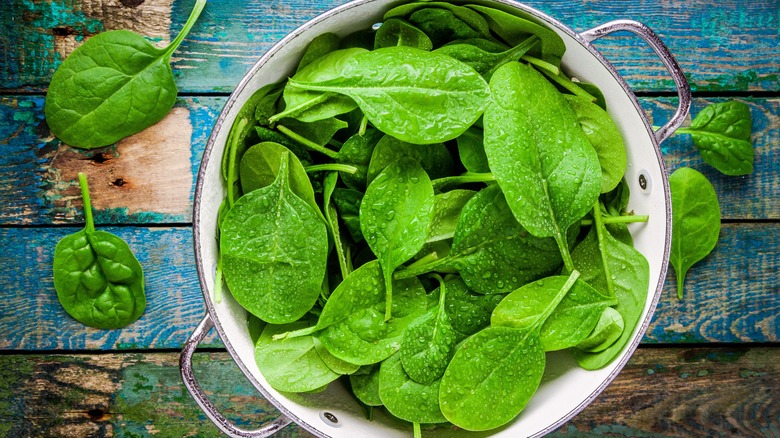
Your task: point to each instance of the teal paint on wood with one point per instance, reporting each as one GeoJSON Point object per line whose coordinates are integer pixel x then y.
{"type": "Point", "coordinates": [722, 45]}
{"type": "Point", "coordinates": [33, 165]}
{"type": "Point", "coordinates": [730, 297]}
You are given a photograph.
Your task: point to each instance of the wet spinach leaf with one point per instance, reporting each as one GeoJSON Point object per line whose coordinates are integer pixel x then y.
{"type": "Point", "coordinates": [357, 151]}
{"type": "Point", "coordinates": [365, 385]}
{"type": "Point", "coordinates": [487, 62]}
{"type": "Point", "coordinates": [471, 150]}
{"type": "Point", "coordinates": [447, 208]}
{"type": "Point", "coordinates": [260, 166]}
{"type": "Point", "coordinates": [114, 85]}
{"type": "Point", "coordinates": [98, 280]}
{"type": "Point", "coordinates": [398, 32]}
{"type": "Point", "coordinates": [605, 138]}
{"type": "Point", "coordinates": [348, 206]}
{"type": "Point", "coordinates": [541, 158]}
{"type": "Point", "coordinates": [469, 312]}
{"type": "Point", "coordinates": [428, 343]}
{"type": "Point", "coordinates": [291, 365]}
{"type": "Point", "coordinates": [273, 247]}
{"type": "Point", "coordinates": [395, 215]}
{"type": "Point", "coordinates": [320, 46]}
{"type": "Point", "coordinates": [398, 100]}
{"type": "Point", "coordinates": [406, 398]}
{"type": "Point", "coordinates": [331, 220]}
{"type": "Point", "coordinates": [695, 221]}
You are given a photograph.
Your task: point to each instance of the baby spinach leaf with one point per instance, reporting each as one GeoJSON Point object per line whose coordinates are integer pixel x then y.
{"type": "Point", "coordinates": [399, 100]}
{"type": "Point", "coordinates": [352, 324]}
{"type": "Point", "coordinates": [428, 343]}
{"type": "Point", "coordinates": [497, 360]}
{"type": "Point", "coordinates": [434, 158]}
{"type": "Point", "coordinates": [605, 138]}
{"type": "Point", "coordinates": [320, 46]}
{"type": "Point", "coordinates": [471, 149]}
{"type": "Point", "coordinates": [608, 330]}
{"type": "Point", "coordinates": [486, 62]}
{"type": "Point", "coordinates": [398, 32]}
{"type": "Point", "coordinates": [571, 321]}
{"type": "Point", "coordinates": [539, 155]}
{"type": "Point", "coordinates": [274, 248]}
{"type": "Point", "coordinates": [442, 25]}
{"type": "Point", "coordinates": [337, 365]}
{"type": "Point", "coordinates": [721, 133]}
{"type": "Point", "coordinates": [395, 215]}
{"type": "Point", "coordinates": [406, 398]}
{"type": "Point", "coordinates": [291, 365]}
{"type": "Point", "coordinates": [114, 85]}
{"type": "Point", "coordinates": [491, 250]}
{"type": "Point", "coordinates": [365, 385]}
{"type": "Point", "coordinates": [265, 102]}
{"type": "Point", "coordinates": [357, 151]}
{"type": "Point", "coordinates": [514, 29]}
{"type": "Point", "coordinates": [260, 167]}
{"type": "Point", "coordinates": [458, 13]}
{"type": "Point", "coordinates": [98, 280]}
{"type": "Point", "coordinates": [630, 274]}
{"type": "Point", "coordinates": [695, 221]}
{"type": "Point", "coordinates": [266, 134]}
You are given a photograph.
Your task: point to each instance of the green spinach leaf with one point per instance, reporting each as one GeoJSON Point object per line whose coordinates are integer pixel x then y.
{"type": "Point", "coordinates": [471, 150]}
{"type": "Point", "coordinates": [98, 280]}
{"type": "Point", "coordinates": [406, 398]}
{"type": "Point", "coordinates": [274, 248]}
{"type": "Point", "coordinates": [365, 385]}
{"type": "Point", "coordinates": [399, 100]}
{"type": "Point", "coordinates": [608, 330]}
{"type": "Point", "coordinates": [434, 158]}
{"type": "Point", "coordinates": [357, 151]}
{"type": "Point", "coordinates": [721, 133]}
{"type": "Point", "coordinates": [260, 166]}
{"type": "Point", "coordinates": [695, 221]}
{"type": "Point", "coordinates": [395, 215]}
{"type": "Point", "coordinates": [320, 46]}
{"type": "Point", "coordinates": [398, 32]}
{"type": "Point", "coordinates": [539, 155]}
{"type": "Point", "coordinates": [114, 85]}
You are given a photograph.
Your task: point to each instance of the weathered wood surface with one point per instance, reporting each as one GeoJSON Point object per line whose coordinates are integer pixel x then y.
{"type": "Point", "coordinates": [149, 177]}
{"type": "Point", "coordinates": [661, 392]}
{"type": "Point", "coordinates": [722, 45]}
{"type": "Point", "coordinates": [732, 296]}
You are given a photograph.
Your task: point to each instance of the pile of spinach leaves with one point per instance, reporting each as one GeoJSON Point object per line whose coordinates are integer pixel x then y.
{"type": "Point", "coordinates": [427, 209]}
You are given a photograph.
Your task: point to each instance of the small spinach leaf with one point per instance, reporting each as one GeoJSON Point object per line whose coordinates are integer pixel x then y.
{"type": "Point", "coordinates": [357, 151]}
{"type": "Point", "coordinates": [320, 46]}
{"type": "Point", "coordinates": [348, 205]}
{"type": "Point", "coordinates": [365, 385]}
{"type": "Point", "coordinates": [98, 280]}
{"type": "Point", "coordinates": [608, 330]}
{"type": "Point", "coordinates": [399, 196]}
{"type": "Point", "coordinates": [721, 133]}
{"type": "Point", "coordinates": [406, 398]}
{"type": "Point", "coordinates": [471, 149]}
{"type": "Point", "coordinates": [447, 208]}
{"type": "Point", "coordinates": [331, 220]}
{"type": "Point", "coordinates": [486, 62]}
{"type": "Point", "coordinates": [434, 158]}
{"type": "Point", "coordinates": [114, 85]}
{"type": "Point", "coordinates": [695, 221]}
{"type": "Point", "coordinates": [260, 166]}
{"type": "Point", "coordinates": [399, 32]}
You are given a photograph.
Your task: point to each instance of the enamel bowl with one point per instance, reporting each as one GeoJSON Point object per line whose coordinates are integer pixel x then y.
{"type": "Point", "coordinates": [566, 388]}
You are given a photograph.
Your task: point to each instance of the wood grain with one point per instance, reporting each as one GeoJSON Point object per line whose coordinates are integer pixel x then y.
{"type": "Point", "coordinates": [149, 178]}
{"type": "Point", "coordinates": [721, 45]}
{"type": "Point", "coordinates": [661, 392]}
{"type": "Point", "coordinates": [732, 296]}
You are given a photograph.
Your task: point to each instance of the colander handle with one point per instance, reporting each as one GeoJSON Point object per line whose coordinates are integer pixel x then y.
{"type": "Point", "coordinates": [660, 49]}
{"type": "Point", "coordinates": [187, 375]}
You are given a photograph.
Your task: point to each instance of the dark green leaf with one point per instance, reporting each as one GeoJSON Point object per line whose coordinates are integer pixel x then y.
{"type": "Point", "coordinates": [435, 158]}
{"type": "Point", "coordinates": [398, 32]}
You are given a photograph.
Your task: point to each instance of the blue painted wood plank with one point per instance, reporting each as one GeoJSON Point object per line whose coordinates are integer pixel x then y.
{"type": "Point", "coordinates": [38, 184]}
{"type": "Point", "coordinates": [722, 45]}
{"type": "Point", "coordinates": [730, 297]}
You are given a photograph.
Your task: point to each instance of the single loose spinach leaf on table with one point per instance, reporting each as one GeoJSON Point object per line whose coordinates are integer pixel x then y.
{"type": "Point", "coordinates": [399, 100]}
{"type": "Point", "coordinates": [539, 155]}
{"type": "Point", "coordinates": [98, 280]}
{"type": "Point", "coordinates": [721, 133]}
{"type": "Point", "coordinates": [274, 248]}
{"type": "Point", "coordinates": [695, 221]}
{"type": "Point", "coordinates": [395, 215]}
{"type": "Point", "coordinates": [114, 85]}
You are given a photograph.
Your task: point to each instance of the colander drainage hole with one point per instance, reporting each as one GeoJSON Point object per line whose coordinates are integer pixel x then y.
{"type": "Point", "coordinates": [645, 183]}
{"type": "Point", "coordinates": [330, 419]}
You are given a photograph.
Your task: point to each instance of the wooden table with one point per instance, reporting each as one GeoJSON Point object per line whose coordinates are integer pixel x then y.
{"type": "Point", "coordinates": [708, 365]}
